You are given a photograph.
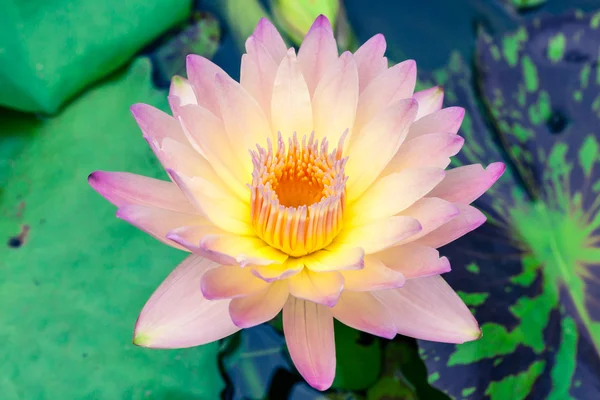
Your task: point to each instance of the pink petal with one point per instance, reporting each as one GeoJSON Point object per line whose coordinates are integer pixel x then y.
{"type": "Point", "coordinates": [376, 144]}
{"type": "Point", "coordinates": [201, 73]}
{"type": "Point", "coordinates": [446, 120]}
{"type": "Point", "coordinates": [229, 282]}
{"type": "Point", "coordinates": [380, 234]}
{"type": "Point", "coordinates": [413, 260]}
{"type": "Point", "coordinates": [469, 219]}
{"type": "Point", "coordinates": [335, 98]}
{"type": "Point", "coordinates": [393, 84]}
{"type": "Point", "coordinates": [431, 213]}
{"type": "Point", "coordinates": [465, 184]}
{"type": "Point", "coordinates": [216, 202]}
{"type": "Point", "coordinates": [255, 309]}
{"type": "Point", "coordinates": [177, 315]}
{"type": "Point", "coordinates": [308, 329]}
{"type": "Point", "coordinates": [243, 250]}
{"type": "Point", "coordinates": [430, 100]}
{"type": "Point", "coordinates": [190, 237]}
{"type": "Point", "coordinates": [438, 148]}
{"type": "Point", "coordinates": [393, 194]}
{"type": "Point", "coordinates": [374, 276]}
{"type": "Point", "coordinates": [157, 124]}
{"type": "Point", "coordinates": [158, 222]}
{"type": "Point", "coordinates": [370, 60]}
{"type": "Point", "coordinates": [364, 312]}
{"type": "Point", "coordinates": [183, 90]}
{"type": "Point", "coordinates": [428, 309]}
{"type": "Point", "coordinates": [267, 35]}
{"type": "Point", "coordinates": [257, 74]}
{"type": "Point", "coordinates": [182, 158]}
{"type": "Point", "coordinates": [317, 52]}
{"type": "Point", "coordinates": [335, 258]}
{"type": "Point", "coordinates": [244, 120]}
{"type": "Point", "coordinates": [207, 135]}
{"type": "Point", "coordinates": [291, 110]}
{"type": "Point", "coordinates": [273, 272]}
{"type": "Point", "coordinates": [319, 287]}
{"type": "Point", "coordinates": [122, 188]}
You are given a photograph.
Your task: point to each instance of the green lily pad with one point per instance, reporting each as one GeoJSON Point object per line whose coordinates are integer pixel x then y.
{"type": "Point", "coordinates": [51, 50]}
{"type": "Point", "coordinates": [73, 277]}
{"type": "Point", "coordinates": [531, 273]}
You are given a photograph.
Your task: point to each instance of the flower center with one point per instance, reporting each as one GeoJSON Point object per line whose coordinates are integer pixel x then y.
{"type": "Point", "coordinates": [298, 197]}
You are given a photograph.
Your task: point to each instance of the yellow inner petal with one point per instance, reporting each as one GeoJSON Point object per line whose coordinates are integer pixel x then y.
{"type": "Point", "coordinates": [298, 195]}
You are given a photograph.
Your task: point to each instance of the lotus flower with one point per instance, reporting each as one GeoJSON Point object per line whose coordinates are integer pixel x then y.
{"type": "Point", "coordinates": [316, 185]}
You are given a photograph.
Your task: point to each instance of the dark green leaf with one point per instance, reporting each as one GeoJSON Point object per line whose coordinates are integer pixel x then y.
{"type": "Point", "coordinates": [358, 358]}
{"type": "Point", "coordinates": [531, 273]}
{"type": "Point", "coordinates": [252, 362]}
{"type": "Point", "coordinates": [201, 37]}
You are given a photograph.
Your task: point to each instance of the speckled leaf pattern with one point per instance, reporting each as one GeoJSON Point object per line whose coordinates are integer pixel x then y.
{"type": "Point", "coordinates": [531, 274]}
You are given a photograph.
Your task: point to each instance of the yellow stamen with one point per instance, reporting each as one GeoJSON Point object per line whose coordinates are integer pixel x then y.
{"type": "Point", "coordinates": [298, 197]}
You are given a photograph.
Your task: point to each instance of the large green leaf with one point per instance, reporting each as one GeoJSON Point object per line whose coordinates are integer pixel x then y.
{"type": "Point", "coordinates": [52, 49]}
{"type": "Point", "coordinates": [531, 274]}
{"type": "Point", "coordinates": [72, 288]}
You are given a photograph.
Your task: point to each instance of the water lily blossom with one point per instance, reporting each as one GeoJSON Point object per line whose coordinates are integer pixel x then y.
{"type": "Point", "coordinates": [316, 186]}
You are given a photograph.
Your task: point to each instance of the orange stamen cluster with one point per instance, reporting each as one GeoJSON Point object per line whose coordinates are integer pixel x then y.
{"type": "Point", "coordinates": [298, 197]}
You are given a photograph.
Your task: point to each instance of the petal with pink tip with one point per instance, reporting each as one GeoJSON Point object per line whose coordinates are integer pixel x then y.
{"type": "Point", "coordinates": [392, 85]}
{"type": "Point", "coordinates": [267, 35]}
{"type": "Point", "coordinates": [158, 222]}
{"type": "Point", "coordinates": [413, 260]}
{"type": "Point", "coordinates": [320, 287]}
{"type": "Point", "coordinates": [446, 120]}
{"type": "Point", "coordinates": [335, 258]}
{"type": "Point", "coordinates": [177, 314]}
{"type": "Point", "coordinates": [243, 250]}
{"type": "Point", "coordinates": [469, 219]}
{"type": "Point", "coordinates": [431, 213]}
{"type": "Point", "coordinates": [216, 203]}
{"type": "Point", "coordinates": [438, 147]}
{"type": "Point", "coordinates": [465, 184]}
{"type": "Point", "coordinates": [374, 276]}
{"type": "Point", "coordinates": [229, 282]}
{"type": "Point", "coordinates": [263, 306]}
{"type": "Point", "coordinates": [291, 110]}
{"type": "Point", "coordinates": [430, 100]}
{"type": "Point", "coordinates": [257, 74]}
{"type": "Point", "coordinates": [207, 135]}
{"type": "Point", "coordinates": [393, 194]}
{"type": "Point", "coordinates": [122, 188]}
{"type": "Point", "coordinates": [379, 235]}
{"type": "Point", "coordinates": [274, 272]}
{"type": "Point", "coordinates": [317, 52]}
{"type": "Point", "coordinates": [335, 99]}
{"type": "Point", "coordinates": [370, 60]}
{"type": "Point", "coordinates": [376, 144]}
{"type": "Point", "coordinates": [428, 309]}
{"type": "Point", "coordinates": [247, 126]}
{"type": "Point", "coordinates": [201, 73]}
{"type": "Point", "coordinates": [364, 312]}
{"type": "Point", "coordinates": [157, 124]}
{"type": "Point", "coordinates": [308, 329]}
{"type": "Point", "coordinates": [183, 90]}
